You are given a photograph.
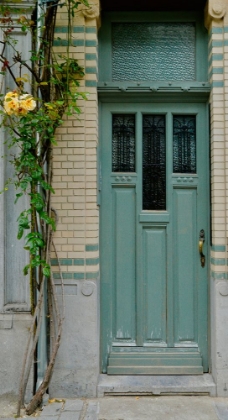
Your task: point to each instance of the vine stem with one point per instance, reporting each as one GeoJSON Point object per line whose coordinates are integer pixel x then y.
{"type": "Point", "coordinates": [28, 357]}
{"type": "Point", "coordinates": [37, 399]}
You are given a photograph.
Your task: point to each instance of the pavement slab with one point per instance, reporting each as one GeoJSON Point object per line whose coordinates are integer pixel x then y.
{"type": "Point", "coordinates": [173, 407]}
{"type": "Point", "coordinates": [221, 409]}
{"type": "Point", "coordinates": [157, 408]}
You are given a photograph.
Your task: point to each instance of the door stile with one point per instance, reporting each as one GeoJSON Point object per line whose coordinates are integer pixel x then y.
{"type": "Point", "coordinates": [139, 263]}
{"type": "Point", "coordinates": [105, 247]}
{"type": "Point", "coordinates": [170, 288]}
{"type": "Point", "coordinates": [203, 223]}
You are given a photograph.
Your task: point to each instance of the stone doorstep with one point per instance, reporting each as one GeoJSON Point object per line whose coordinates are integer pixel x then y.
{"type": "Point", "coordinates": [156, 385]}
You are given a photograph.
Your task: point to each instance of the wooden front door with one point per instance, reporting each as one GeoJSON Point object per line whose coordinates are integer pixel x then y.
{"type": "Point", "coordinates": [154, 237]}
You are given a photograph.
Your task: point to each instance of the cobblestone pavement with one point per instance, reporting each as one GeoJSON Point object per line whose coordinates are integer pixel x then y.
{"type": "Point", "coordinates": [134, 408]}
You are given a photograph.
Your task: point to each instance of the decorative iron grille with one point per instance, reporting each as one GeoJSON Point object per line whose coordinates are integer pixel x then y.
{"type": "Point", "coordinates": [184, 144]}
{"type": "Point", "coordinates": [154, 162]}
{"type": "Point", "coordinates": [123, 143]}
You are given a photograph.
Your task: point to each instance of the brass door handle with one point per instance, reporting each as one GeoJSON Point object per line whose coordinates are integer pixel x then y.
{"type": "Point", "coordinates": [201, 242]}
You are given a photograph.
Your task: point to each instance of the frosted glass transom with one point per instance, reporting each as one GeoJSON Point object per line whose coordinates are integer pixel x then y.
{"type": "Point", "coordinates": [153, 51]}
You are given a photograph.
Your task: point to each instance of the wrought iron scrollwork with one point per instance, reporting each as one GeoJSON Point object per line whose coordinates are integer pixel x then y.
{"type": "Point", "coordinates": [154, 162]}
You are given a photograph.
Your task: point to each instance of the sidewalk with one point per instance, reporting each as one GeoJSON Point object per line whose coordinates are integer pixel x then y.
{"type": "Point", "coordinates": [137, 408]}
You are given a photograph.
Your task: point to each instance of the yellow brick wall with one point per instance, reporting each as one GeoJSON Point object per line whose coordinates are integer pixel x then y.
{"type": "Point", "coordinates": [75, 161]}
{"type": "Point", "coordinates": [218, 77]}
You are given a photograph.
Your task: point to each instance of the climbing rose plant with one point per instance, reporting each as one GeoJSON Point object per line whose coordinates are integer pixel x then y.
{"type": "Point", "coordinates": [30, 117]}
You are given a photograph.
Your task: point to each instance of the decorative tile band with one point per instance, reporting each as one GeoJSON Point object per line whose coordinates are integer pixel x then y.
{"type": "Point", "coordinates": [218, 248]}
{"type": "Point", "coordinates": [90, 43]}
{"type": "Point", "coordinates": [91, 70]}
{"type": "Point", "coordinates": [217, 70]}
{"type": "Point", "coordinates": [218, 30]}
{"type": "Point", "coordinates": [217, 57]}
{"type": "Point", "coordinates": [216, 44]}
{"type": "Point", "coordinates": [218, 261]}
{"type": "Point", "coordinates": [64, 43]}
{"type": "Point", "coordinates": [77, 276]}
{"type": "Point", "coordinates": [94, 247]}
{"type": "Point", "coordinates": [219, 276]}
{"type": "Point", "coordinates": [64, 29]}
{"type": "Point", "coordinates": [217, 84]}
{"type": "Point", "coordinates": [91, 30]}
{"type": "Point", "coordinates": [74, 261]}
{"type": "Point", "coordinates": [91, 83]}
{"type": "Point", "coordinates": [76, 29]}
{"type": "Point", "coordinates": [90, 57]}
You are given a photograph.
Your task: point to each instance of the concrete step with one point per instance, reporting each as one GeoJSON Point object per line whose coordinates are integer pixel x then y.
{"type": "Point", "coordinates": [156, 385]}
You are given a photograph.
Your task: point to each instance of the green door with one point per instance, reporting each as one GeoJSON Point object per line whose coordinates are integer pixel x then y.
{"type": "Point", "coordinates": [154, 214]}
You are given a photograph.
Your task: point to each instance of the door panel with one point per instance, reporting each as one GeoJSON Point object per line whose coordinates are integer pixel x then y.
{"type": "Point", "coordinates": [124, 262]}
{"type": "Point", "coordinates": [154, 202]}
{"type": "Point", "coordinates": [154, 275]}
{"type": "Point", "coordinates": [184, 263]}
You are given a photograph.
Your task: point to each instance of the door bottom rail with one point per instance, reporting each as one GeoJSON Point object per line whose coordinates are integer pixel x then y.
{"type": "Point", "coordinates": [155, 363]}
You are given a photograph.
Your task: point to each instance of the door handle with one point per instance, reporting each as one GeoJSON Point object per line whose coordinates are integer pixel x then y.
{"type": "Point", "coordinates": [201, 243]}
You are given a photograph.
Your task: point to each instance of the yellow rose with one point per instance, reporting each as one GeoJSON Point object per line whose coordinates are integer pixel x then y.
{"type": "Point", "coordinates": [11, 105]}
{"type": "Point", "coordinates": [27, 102]}
{"type": "Point", "coordinates": [18, 105]}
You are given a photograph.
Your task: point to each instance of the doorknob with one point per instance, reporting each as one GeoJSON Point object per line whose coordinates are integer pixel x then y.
{"type": "Point", "coordinates": [201, 242]}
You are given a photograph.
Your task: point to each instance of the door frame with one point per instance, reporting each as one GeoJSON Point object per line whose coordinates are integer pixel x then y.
{"type": "Point", "coordinates": [107, 97]}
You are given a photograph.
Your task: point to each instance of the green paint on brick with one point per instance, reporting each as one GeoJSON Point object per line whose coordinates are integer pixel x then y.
{"type": "Point", "coordinates": [78, 29]}
{"type": "Point", "coordinates": [64, 29]}
{"type": "Point", "coordinates": [219, 276]}
{"type": "Point", "coordinates": [92, 261]}
{"type": "Point", "coordinates": [91, 30]}
{"type": "Point", "coordinates": [226, 42]}
{"type": "Point", "coordinates": [79, 261]}
{"type": "Point", "coordinates": [61, 30]}
{"type": "Point", "coordinates": [217, 30]}
{"type": "Point", "coordinates": [90, 57]}
{"type": "Point", "coordinates": [62, 261]}
{"type": "Point", "coordinates": [217, 70]}
{"type": "Point", "coordinates": [92, 247]}
{"type": "Point", "coordinates": [217, 44]}
{"type": "Point", "coordinates": [218, 248]}
{"type": "Point", "coordinates": [64, 43]}
{"type": "Point", "coordinates": [91, 83]}
{"type": "Point", "coordinates": [217, 57]}
{"type": "Point", "coordinates": [66, 276]}
{"type": "Point", "coordinates": [91, 70]}
{"type": "Point", "coordinates": [79, 276]}
{"type": "Point", "coordinates": [218, 261]}
{"type": "Point", "coordinates": [90, 43]}
{"type": "Point", "coordinates": [217, 83]}
{"type": "Point", "coordinates": [93, 276]}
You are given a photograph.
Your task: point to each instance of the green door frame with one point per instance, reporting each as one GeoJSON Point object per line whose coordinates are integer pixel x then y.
{"type": "Point", "coordinates": [106, 288]}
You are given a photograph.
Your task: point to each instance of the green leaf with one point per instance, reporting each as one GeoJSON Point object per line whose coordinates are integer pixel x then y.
{"type": "Point", "coordinates": [20, 232]}
{"type": "Point", "coordinates": [46, 271]}
{"type": "Point", "coordinates": [47, 186]}
{"type": "Point", "coordinates": [24, 222]}
{"type": "Point", "coordinates": [26, 269]}
{"type": "Point", "coordinates": [40, 243]}
{"type": "Point", "coordinates": [17, 197]}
